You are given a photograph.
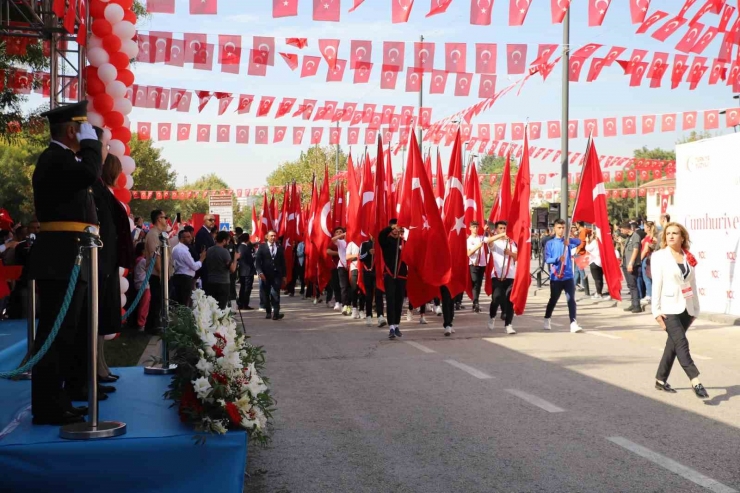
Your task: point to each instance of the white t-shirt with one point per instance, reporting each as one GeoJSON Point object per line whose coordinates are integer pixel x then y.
{"type": "Point", "coordinates": [342, 251]}
{"type": "Point", "coordinates": [353, 249]}
{"type": "Point", "coordinates": [594, 253]}
{"type": "Point", "coordinates": [479, 257]}
{"type": "Point", "coordinates": [503, 263]}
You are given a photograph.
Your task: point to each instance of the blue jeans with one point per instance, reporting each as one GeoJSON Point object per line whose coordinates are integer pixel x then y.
{"type": "Point", "coordinates": [648, 281]}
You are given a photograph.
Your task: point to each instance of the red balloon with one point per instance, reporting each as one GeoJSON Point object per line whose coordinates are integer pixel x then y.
{"type": "Point", "coordinates": [112, 44]}
{"type": "Point", "coordinates": [126, 76]}
{"type": "Point", "coordinates": [126, 4]}
{"type": "Point", "coordinates": [125, 272]}
{"type": "Point", "coordinates": [122, 194]}
{"type": "Point", "coordinates": [95, 86]}
{"type": "Point", "coordinates": [119, 60]}
{"type": "Point", "coordinates": [130, 15]}
{"type": "Point", "coordinates": [103, 103]}
{"type": "Point", "coordinates": [121, 133]}
{"type": "Point", "coordinates": [121, 181]}
{"type": "Point", "coordinates": [113, 119]}
{"type": "Point", "coordinates": [101, 28]}
{"type": "Point", "coordinates": [127, 149]}
{"type": "Point", "coordinates": [90, 70]}
{"type": "Point", "coordinates": [97, 9]}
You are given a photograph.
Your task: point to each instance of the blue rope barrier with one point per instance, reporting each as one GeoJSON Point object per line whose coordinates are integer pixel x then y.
{"type": "Point", "coordinates": [55, 329]}
{"type": "Point", "coordinates": [135, 303]}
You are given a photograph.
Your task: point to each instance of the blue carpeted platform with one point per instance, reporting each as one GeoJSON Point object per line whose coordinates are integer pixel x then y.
{"type": "Point", "coordinates": [157, 454]}
{"type": "Point", "coordinates": [12, 343]}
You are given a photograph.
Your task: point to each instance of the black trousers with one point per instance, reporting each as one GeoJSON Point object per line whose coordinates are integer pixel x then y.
{"type": "Point", "coordinates": [299, 272]}
{"type": "Point", "coordinates": [598, 274]}
{"type": "Point", "coordinates": [556, 289]}
{"type": "Point", "coordinates": [271, 291]}
{"type": "Point", "coordinates": [395, 288]}
{"type": "Point", "coordinates": [448, 306]}
{"type": "Point", "coordinates": [219, 291]}
{"type": "Point", "coordinates": [477, 273]}
{"type": "Point", "coordinates": [500, 298]}
{"type": "Point", "coordinates": [334, 289]}
{"type": "Point", "coordinates": [371, 290]}
{"type": "Point", "coordinates": [245, 290]}
{"type": "Point", "coordinates": [344, 287]}
{"type": "Point", "coordinates": [356, 296]}
{"type": "Point", "coordinates": [676, 346]}
{"type": "Point", "coordinates": [631, 278]}
{"type": "Point", "coordinates": [182, 289]}
{"type": "Point", "coordinates": [65, 363]}
{"type": "Point", "coordinates": [153, 319]}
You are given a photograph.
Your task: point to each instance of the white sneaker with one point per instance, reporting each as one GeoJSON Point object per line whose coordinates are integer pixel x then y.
{"type": "Point", "coordinates": [315, 301]}
{"type": "Point", "coordinates": [261, 310]}
{"type": "Point", "coordinates": [596, 297]}
{"type": "Point", "coordinates": [422, 320]}
{"type": "Point", "coordinates": [575, 328]}
{"type": "Point", "coordinates": [645, 301]}
{"type": "Point", "coordinates": [491, 323]}
{"type": "Point", "coordinates": [409, 316]}
{"type": "Point", "coordinates": [337, 306]}
{"type": "Point", "coordinates": [448, 331]}
{"type": "Point", "coordinates": [438, 310]}
{"type": "Point", "coordinates": [381, 321]}
{"type": "Point", "coordinates": [355, 313]}
{"type": "Point", "coordinates": [547, 325]}
{"type": "Point", "coordinates": [510, 330]}
{"type": "Point", "coordinates": [368, 321]}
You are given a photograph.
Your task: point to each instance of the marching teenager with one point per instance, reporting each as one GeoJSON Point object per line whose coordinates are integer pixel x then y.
{"type": "Point", "coordinates": [675, 304]}
{"type": "Point", "coordinates": [337, 251]}
{"type": "Point", "coordinates": [396, 271]}
{"type": "Point", "coordinates": [557, 256]}
{"type": "Point", "coordinates": [476, 262]}
{"type": "Point", "coordinates": [355, 295]}
{"type": "Point", "coordinates": [367, 253]}
{"type": "Point", "coordinates": [504, 255]}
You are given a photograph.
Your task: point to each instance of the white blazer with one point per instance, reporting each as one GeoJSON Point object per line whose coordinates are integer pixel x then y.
{"type": "Point", "coordinates": [667, 298]}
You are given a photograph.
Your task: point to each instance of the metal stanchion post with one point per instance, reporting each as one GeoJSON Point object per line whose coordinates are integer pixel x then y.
{"type": "Point", "coordinates": [31, 325]}
{"type": "Point", "coordinates": [166, 368]}
{"type": "Point", "coordinates": [93, 428]}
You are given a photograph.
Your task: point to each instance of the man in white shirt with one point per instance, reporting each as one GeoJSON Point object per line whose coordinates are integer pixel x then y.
{"type": "Point", "coordinates": [342, 272]}
{"type": "Point", "coordinates": [503, 256]}
{"type": "Point", "coordinates": [476, 262]}
{"type": "Point", "coordinates": [185, 268]}
{"type": "Point", "coordinates": [356, 297]}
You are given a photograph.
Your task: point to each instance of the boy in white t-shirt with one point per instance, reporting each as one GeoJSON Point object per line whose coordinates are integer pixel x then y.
{"type": "Point", "coordinates": [504, 256]}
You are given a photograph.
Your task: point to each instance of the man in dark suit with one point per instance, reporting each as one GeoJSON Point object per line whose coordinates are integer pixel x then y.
{"type": "Point", "coordinates": [270, 265]}
{"type": "Point", "coordinates": [246, 271]}
{"type": "Point", "coordinates": [65, 207]}
{"type": "Point", "coordinates": [203, 241]}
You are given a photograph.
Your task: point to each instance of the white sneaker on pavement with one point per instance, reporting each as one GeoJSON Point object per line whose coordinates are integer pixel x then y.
{"type": "Point", "coordinates": [355, 313]}
{"type": "Point", "coordinates": [337, 306]}
{"type": "Point", "coordinates": [510, 330]}
{"type": "Point", "coordinates": [409, 316]}
{"type": "Point", "coordinates": [448, 331]}
{"type": "Point", "coordinates": [381, 321]}
{"type": "Point", "coordinates": [575, 328]}
{"type": "Point", "coordinates": [595, 296]}
{"type": "Point", "coordinates": [547, 325]}
{"type": "Point", "coordinates": [438, 310]}
{"type": "Point", "coordinates": [491, 323]}
{"type": "Point", "coordinates": [422, 320]}
{"type": "Point", "coordinates": [368, 321]}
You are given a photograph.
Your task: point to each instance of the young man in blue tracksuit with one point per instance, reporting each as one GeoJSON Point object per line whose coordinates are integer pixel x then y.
{"type": "Point", "coordinates": [557, 256]}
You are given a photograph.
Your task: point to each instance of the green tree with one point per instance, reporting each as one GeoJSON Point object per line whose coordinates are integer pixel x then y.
{"type": "Point", "coordinates": [16, 169]}
{"type": "Point", "coordinates": [152, 173]}
{"type": "Point", "coordinates": [303, 169]}
{"type": "Point", "coordinates": [494, 165]}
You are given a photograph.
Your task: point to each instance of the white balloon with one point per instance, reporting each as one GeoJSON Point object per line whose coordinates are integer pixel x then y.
{"type": "Point", "coordinates": [90, 105]}
{"type": "Point", "coordinates": [97, 57]}
{"type": "Point", "coordinates": [128, 165]}
{"type": "Point", "coordinates": [107, 72]}
{"type": "Point", "coordinates": [116, 147]}
{"type": "Point", "coordinates": [113, 13]}
{"type": "Point", "coordinates": [121, 270]}
{"type": "Point", "coordinates": [123, 296]}
{"type": "Point", "coordinates": [129, 182]}
{"type": "Point", "coordinates": [95, 119]}
{"type": "Point", "coordinates": [116, 89]}
{"type": "Point", "coordinates": [122, 105]}
{"type": "Point", "coordinates": [124, 30]}
{"type": "Point", "coordinates": [107, 135]}
{"type": "Point", "coordinates": [94, 42]}
{"type": "Point", "coordinates": [124, 285]}
{"type": "Point", "coordinates": [130, 47]}
{"type": "Point", "coordinates": [126, 122]}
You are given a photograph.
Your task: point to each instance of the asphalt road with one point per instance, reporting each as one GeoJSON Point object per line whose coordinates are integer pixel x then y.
{"type": "Point", "coordinates": [483, 411]}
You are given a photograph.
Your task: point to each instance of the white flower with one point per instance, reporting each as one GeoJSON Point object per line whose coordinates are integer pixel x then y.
{"type": "Point", "coordinates": [204, 366]}
{"type": "Point", "coordinates": [218, 427]}
{"type": "Point", "coordinates": [256, 386]}
{"type": "Point", "coordinates": [261, 419]}
{"type": "Point", "coordinates": [202, 387]}
{"type": "Point", "coordinates": [222, 402]}
{"type": "Point", "coordinates": [247, 423]}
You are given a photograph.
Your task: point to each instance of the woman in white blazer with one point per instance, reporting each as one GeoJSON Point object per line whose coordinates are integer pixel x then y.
{"type": "Point", "coordinates": [675, 304]}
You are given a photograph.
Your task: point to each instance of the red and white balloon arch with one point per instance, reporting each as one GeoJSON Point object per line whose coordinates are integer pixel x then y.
{"type": "Point", "coordinates": [107, 78]}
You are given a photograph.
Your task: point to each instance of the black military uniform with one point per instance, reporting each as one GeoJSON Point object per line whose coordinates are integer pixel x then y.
{"type": "Point", "coordinates": [63, 197]}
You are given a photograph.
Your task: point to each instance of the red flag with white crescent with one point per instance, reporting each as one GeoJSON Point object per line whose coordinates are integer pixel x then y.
{"type": "Point", "coordinates": [454, 222]}
{"type": "Point", "coordinates": [518, 229]}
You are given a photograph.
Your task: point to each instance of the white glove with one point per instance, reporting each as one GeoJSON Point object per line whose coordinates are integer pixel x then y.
{"type": "Point", "coordinates": [86, 132]}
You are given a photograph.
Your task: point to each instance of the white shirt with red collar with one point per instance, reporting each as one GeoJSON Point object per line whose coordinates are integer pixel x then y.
{"type": "Point", "coordinates": [478, 258]}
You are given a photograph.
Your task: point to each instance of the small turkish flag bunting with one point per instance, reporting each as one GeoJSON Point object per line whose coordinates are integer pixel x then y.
{"type": "Point", "coordinates": [291, 59]}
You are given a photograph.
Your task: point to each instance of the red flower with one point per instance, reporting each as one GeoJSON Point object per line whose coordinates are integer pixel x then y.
{"type": "Point", "coordinates": [220, 378]}
{"type": "Point", "coordinates": [219, 352]}
{"type": "Point", "coordinates": [219, 336]}
{"type": "Point", "coordinates": [233, 413]}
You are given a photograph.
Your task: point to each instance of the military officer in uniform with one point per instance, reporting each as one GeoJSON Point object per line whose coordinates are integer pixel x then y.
{"type": "Point", "coordinates": [63, 197]}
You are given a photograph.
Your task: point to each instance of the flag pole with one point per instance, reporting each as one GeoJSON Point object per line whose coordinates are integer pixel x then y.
{"type": "Point", "coordinates": [421, 100]}
{"type": "Point", "coordinates": [564, 119]}
{"type": "Point", "coordinates": [578, 194]}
